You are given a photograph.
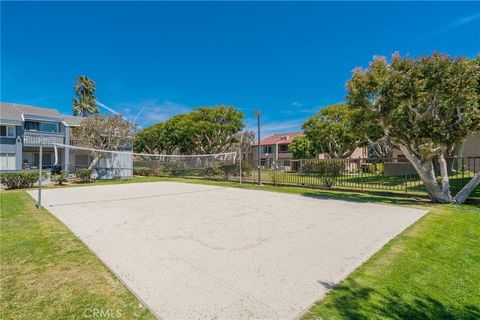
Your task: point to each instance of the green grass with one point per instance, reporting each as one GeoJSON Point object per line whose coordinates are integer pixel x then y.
{"type": "Point", "coordinates": [410, 184]}
{"type": "Point", "coordinates": [430, 271]}
{"type": "Point", "coordinates": [47, 273]}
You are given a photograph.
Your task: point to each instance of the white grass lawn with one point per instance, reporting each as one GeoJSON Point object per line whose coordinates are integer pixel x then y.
{"type": "Point", "coordinates": [192, 251]}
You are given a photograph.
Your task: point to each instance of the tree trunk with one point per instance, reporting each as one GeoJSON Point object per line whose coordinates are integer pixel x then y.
{"type": "Point", "coordinates": [463, 194]}
{"type": "Point", "coordinates": [426, 172]}
{"type": "Point", "coordinates": [444, 173]}
{"type": "Point", "coordinates": [94, 162]}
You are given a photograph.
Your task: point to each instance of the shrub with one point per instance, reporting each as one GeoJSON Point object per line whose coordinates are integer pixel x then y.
{"type": "Point", "coordinates": [327, 170]}
{"type": "Point", "coordinates": [85, 175]}
{"type": "Point", "coordinates": [143, 171]}
{"type": "Point", "coordinates": [372, 167]}
{"type": "Point", "coordinates": [214, 170]}
{"type": "Point", "coordinates": [19, 180]}
{"type": "Point", "coordinates": [328, 167]}
{"type": "Point", "coordinates": [368, 168]}
{"type": "Point", "coordinates": [59, 176]}
{"type": "Point", "coordinates": [56, 170]}
{"type": "Point", "coordinates": [379, 167]}
{"type": "Point", "coordinates": [246, 169]}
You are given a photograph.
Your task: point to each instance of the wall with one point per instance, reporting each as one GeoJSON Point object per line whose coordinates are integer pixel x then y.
{"type": "Point", "coordinates": [471, 147]}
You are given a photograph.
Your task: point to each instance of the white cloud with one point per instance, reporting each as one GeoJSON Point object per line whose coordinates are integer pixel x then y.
{"type": "Point", "coordinates": [297, 104]}
{"type": "Point", "coordinates": [297, 107]}
{"type": "Point", "coordinates": [268, 128]}
{"type": "Point", "coordinates": [150, 111]}
{"type": "Point", "coordinates": [455, 24]}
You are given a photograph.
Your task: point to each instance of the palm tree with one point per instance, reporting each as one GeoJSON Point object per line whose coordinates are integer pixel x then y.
{"type": "Point", "coordinates": [84, 102]}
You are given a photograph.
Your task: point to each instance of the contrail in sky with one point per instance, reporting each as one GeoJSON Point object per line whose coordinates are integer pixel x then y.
{"type": "Point", "coordinates": [107, 108]}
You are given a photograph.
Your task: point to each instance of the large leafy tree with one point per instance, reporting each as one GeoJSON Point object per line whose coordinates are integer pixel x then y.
{"type": "Point", "coordinates": [204, 130]}
{"type": "Point", "coordinates": [104, 132]}
{"type": "Point", "coordinates": [302, 148]}
{"type": "Point", "coordinates": [330, 132]}
{"type": "Point", "coordinates": [245, 140]}
{"type": "Point", "coordinates": [84, 101]}
{"type": "Point", "coordinates": [153, 140]}
{"type": "Point", "coordinates": [214, 129]}
{"type": "Point", "coordinates": [426, 107]}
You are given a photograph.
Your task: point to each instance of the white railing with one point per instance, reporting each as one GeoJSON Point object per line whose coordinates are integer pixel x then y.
{"type": "Point", "coordinates": [47, 139]}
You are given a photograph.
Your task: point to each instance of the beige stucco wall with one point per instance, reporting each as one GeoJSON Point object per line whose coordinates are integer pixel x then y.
{"type": "Point", "coordinates": [471, 147]}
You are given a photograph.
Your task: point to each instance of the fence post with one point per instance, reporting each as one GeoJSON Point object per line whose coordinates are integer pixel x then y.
{"type": "Point", "coordinates": [406, 183]}
{"type": "Point", "coordinates": [361, 172]}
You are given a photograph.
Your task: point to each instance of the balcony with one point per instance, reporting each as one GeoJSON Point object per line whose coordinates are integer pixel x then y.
{"type": "Point", "coordinates": [47, 139]}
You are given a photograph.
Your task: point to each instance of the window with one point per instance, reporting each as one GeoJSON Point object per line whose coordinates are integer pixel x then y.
{"type": "Point", "coordinates": [46, 160]}
{"type": "Point", "coordinates": [283, 148]}
{"type": "Point", "coordinates": [41, 126]}
{"type": "Point", "coordinates": [49, 127]}
{"type": "Point", "coordinates": [7, 131]}
{"type": "Point", "coordinates": [32, 125]}
{"type": "Point", "coordinates": [267, 149]}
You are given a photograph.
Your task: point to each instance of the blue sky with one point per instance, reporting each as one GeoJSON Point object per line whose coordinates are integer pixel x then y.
{"type": "Point", "coordinates": [286, 59]}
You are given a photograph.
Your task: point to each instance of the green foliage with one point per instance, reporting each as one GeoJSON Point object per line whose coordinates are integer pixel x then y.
{"type": "Point", "coordinates": [330, 132]}
{"type": "Point", "coordinates": [60, 177]}
{"type": "Point", "coordinates": [154, 139]}
{"type": "Point", "coordinates": [428, 104]}
{"type": "Point", "coordinates": [214, 170]}
{"type": "Point", "coordinates": [143, 171]}
{"type": "Point", "coordinates": [19, 180]}
{"type": "Point", "coordinates": [202, 131]}
{"type": "Point", "coordinates": [302, 148]}
{"type": "Point", "coordinates": [84, 102]}
{"type": "Point", "coordinates": [426, 107]}
{"type": "Point", "coordinates": [85, 175]}
{"type": "Point", "coordinates": [327, 170]}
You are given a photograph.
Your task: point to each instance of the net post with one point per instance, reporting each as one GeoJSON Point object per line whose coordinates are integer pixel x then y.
{"type": "Point", "coordinates": [240, 159]}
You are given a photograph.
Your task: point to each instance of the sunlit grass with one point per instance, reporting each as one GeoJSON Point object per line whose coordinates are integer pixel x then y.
{"type": "Point", "coordinates": [47, 273]}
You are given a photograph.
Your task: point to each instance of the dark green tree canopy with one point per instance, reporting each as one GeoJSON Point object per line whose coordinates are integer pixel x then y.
{"type": "Point", "coordinates": [426, 107]}
{"type": "Point", "coordinates": [330, 132]}
{"type": "Point", "coordinates": [204, 130]}
{"type": "Point", "coordinates": [302, 148]}
{"type": "Point", "coordinates": [84, 101]}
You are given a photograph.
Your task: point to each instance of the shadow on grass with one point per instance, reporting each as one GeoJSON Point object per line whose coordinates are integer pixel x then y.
{"type": "Point", "coordinates": [353, 301]}
{"type": "Point", "coordinates": [360, 197]}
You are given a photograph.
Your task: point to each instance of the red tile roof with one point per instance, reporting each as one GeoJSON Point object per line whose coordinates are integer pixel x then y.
{"type": "Point", "coordinates": [279, 138]}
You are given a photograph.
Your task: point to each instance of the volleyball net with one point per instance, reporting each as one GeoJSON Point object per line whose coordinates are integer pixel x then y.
{"type": "Point", "coordinates": [109, 164]}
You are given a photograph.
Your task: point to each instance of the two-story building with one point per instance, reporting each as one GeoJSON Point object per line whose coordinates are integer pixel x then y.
{"type": "Point", "coordinates": [24, 128]}
{"type": "Point", "coordinates": [275, 148]}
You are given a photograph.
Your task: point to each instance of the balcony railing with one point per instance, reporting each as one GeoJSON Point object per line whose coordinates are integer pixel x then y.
{"type": "Point", "coordinates": [47, 139]}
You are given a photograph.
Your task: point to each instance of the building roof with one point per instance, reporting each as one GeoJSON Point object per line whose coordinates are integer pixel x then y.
{"type": "Point", "coordinates": [279, 138]}
{"type": "Point", "coordinates": [8, 112]}
{"type": "Point", "coordinates": [37, 111]}
{"type": "Point", "coordinates": [15, 113]}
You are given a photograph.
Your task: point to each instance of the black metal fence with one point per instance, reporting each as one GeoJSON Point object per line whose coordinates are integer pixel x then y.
{"type": "Point", "coordinates": [392, 175]}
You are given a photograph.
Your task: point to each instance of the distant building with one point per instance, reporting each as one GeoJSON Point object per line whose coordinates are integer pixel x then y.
{"type": "Point", "coordinates": [275, 147]}
{"type": "Point", "coordinates": [24, 128]}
